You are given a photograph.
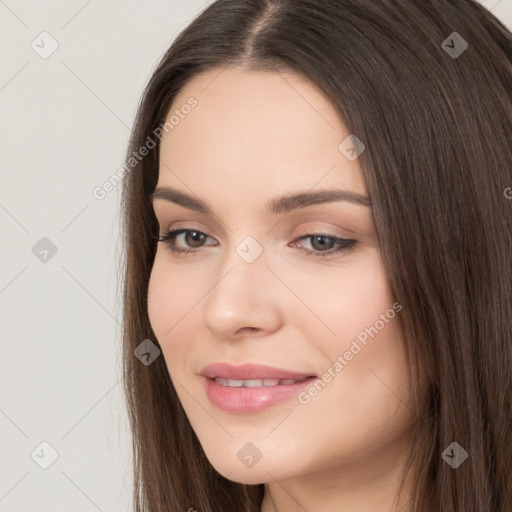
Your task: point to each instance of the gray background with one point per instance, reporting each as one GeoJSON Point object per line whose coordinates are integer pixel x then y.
{"type": "Point", "coordinates": [65, 122]}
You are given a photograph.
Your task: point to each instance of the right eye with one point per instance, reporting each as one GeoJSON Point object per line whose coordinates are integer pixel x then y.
{"type": "Point", "coordinates": [195, 237]}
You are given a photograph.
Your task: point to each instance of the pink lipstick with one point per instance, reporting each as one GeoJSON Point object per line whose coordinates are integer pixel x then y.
{"type": "Point", "coordinates": [251, 388]}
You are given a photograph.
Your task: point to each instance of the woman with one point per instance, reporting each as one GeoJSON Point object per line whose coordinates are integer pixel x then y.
{"type": "Point", "coordinates": [317, 244]}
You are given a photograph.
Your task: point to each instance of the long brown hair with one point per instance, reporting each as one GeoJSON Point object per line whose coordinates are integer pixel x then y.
{"type": "Point", "coordinates": [427, 86]}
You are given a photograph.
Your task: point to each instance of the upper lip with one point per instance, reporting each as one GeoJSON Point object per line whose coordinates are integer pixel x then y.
{"type": "Point", "coordinates": [249, 371]}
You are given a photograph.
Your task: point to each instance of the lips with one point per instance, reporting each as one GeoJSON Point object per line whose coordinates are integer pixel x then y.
{"type": "Point", "coordinates": [256, 383]}
{"type": "Point", "coordinates": [248, 372]}
{"type": "Point", "coordinates": [251, 388]}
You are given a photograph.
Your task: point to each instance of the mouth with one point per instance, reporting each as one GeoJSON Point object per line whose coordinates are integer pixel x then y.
{"type": "Point", "coordinates": [257, 383]}
{"type": "Point", "coordinates": [252, 372]}
{"type": "Point", "coordinates": [251, 388]}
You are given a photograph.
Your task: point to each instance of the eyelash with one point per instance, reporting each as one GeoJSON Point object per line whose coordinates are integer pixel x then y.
{"type": "Point", "coordinates": [345, 244]}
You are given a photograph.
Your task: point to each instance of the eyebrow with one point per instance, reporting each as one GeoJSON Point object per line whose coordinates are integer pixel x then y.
{"type": "Point", "coordinates": [275, 206]}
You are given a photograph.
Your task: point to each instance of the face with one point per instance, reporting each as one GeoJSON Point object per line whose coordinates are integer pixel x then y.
{"type": "Point", "coordinates": [298, 288]}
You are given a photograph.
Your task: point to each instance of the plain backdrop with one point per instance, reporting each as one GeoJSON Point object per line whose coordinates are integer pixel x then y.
{"type": "Point", "coordinates": [71, 76]}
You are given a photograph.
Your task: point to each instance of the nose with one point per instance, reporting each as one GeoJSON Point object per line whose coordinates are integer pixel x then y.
{"type": "Point", "coordinates": [244, 298]}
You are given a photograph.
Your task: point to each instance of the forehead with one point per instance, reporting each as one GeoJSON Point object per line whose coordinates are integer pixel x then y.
{"type": "Point", "coordinates": [259, 131]}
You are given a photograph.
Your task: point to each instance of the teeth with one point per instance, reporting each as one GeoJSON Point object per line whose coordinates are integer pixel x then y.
{"type": "Point", "coordinates": [255, 383]}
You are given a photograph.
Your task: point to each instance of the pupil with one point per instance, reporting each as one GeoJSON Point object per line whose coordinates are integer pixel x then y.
{"type": "Point", "coordinates": [195, 236]}
{"type": "Point", "coordinates": [319, 239]}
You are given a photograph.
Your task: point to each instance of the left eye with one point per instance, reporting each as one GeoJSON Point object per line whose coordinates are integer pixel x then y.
{"type": "Point", "coordinates": [195, 238]}
{"type": "Point", "coordinates": [341, 245]}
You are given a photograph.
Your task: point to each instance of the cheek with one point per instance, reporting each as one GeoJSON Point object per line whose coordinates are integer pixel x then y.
{"type": "Point", "coordinates": [365, 341]}
{"type": "Point", "coordinates": [156, 301]}
{"type": "Point", "coordinates": [165, 303]}
{"type": "Point", "coordinates": [353, 301]}
{"type": "Point", "coordinates": [173, 310]}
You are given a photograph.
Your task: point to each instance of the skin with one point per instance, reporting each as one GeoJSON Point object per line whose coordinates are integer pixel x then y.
{"type": "Point", "coordinates": [254, 136]}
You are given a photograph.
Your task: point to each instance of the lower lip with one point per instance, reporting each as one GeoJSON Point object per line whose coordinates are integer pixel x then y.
{"type": "Point", "coordinates": [247, 400]}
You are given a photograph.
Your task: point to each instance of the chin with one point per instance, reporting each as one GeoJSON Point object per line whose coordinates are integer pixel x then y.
{"type": "Point", "coordinates": [255, 475]}
{"type": "Point", "coordinates": [248, 477]}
